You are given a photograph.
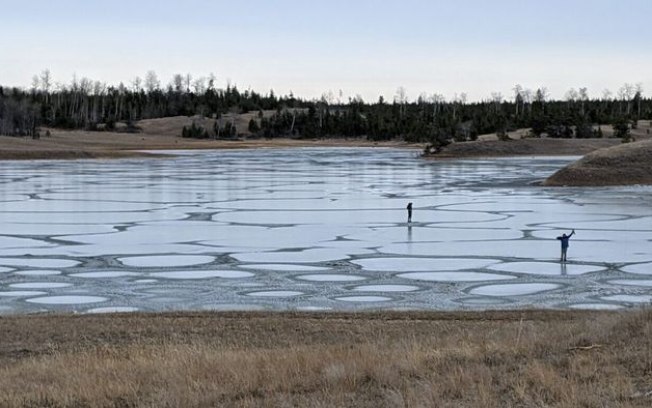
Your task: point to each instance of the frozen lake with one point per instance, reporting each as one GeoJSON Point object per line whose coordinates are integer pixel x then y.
{"type": "Point", "coordinates": [315, 229]}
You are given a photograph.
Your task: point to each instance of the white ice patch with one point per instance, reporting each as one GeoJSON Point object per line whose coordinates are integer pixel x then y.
{"type": "Point", "coordinates": [201, 274]}
{"type": "Point", "coordinates": [67, 300]}
{"type": "Point", "coordinates": [629, 298]}
{"type": "Point", "coordinates": [284, 267]}
{"type": "Point", "coordinates": [113, 309]}
{"type": "Point", "coordinates": [38, 272]}
{"type": "Point", "coordinates": [166, 260]}
{"type": "Point", "coordinates": [631, 282]}
{"type": "Point", "coordinates": [20, 293]}
{"type": "Point", "coordinates": [595, 306]}
{"type": "Point", "coordinates": [422, 264]}
{"type": "Point", "coordinates": [385, 288]}
{"type": "Point", "coordinates": [514, 289]}
{"type": "Point", "coordinates": [330, 277]}
{"type": "Point", "coordinates": [308, 256]}
{"type": "Point", "coordinates": [3, 269]}
{"type": "Point", "coordinates": [454, 276]}
{"type": "Point", "coordinates": [642, 269]}
{"type": "Point", "coordinates": [103, 274]}
{"type": "Point", "coordinates": [546, 268]}
{"type": "Point", "coordinates": [39, 263]}
{"type": "Point", "coordinates": [40, 285]}
{"type": "Point", "coordinates": [276, 293]}
{"type": "Point", "coordinates": [363, 298]}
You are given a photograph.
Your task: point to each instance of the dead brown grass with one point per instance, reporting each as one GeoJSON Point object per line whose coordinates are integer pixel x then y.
{"type": "Point", "coordinates": [488, 359]}
{"type": "Point", "coordinates": [524, 147]}
{"type": "Point", "coordinates": [623, 164]}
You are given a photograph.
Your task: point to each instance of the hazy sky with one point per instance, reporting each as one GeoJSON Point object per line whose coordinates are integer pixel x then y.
{"type": "Point", "coordinates": [359, 46]}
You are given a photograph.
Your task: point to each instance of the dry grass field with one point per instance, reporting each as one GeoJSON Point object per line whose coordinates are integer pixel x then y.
{"type": "Point", "coordinates": [381, 359]}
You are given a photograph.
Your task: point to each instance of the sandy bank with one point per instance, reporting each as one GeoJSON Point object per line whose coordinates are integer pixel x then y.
{"type": "Point", "coordinates": [64, 144]}
{"type": "Point", "coordinates": [624, 164]}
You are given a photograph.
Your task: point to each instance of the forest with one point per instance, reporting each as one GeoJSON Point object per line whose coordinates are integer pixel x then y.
{"type": "Point", "coordinates": [93, 105]}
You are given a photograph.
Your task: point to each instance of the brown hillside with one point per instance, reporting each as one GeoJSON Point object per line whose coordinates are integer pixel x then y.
{"type": "Point", "coordinates": [624, 164]}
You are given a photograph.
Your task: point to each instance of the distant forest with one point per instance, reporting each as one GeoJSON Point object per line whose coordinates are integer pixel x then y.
{"type": "Point", "coordinates": [92, 105]}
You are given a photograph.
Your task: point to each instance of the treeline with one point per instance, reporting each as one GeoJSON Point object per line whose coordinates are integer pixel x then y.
{"type": "Point", "coordinates": [92, 105]}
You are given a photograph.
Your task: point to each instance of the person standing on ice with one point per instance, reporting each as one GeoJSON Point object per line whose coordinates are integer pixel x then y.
{"type": "Point", "coordinates": [564, 244]}
{"type": "Point", "coordinates": [409, 208]}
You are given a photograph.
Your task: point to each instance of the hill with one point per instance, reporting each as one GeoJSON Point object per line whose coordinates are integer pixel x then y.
{"type": "Point", "coordinates": [624, 164]}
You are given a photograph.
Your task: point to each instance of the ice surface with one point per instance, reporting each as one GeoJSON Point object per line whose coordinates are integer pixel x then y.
{"type": "Point", "coordinates": [595, 306]}
{"type": "Point", "coordinates": [166, 260]}
{"type": "Point", "coordinates": [284, 267]}
{"type": "Point", "coordinates": [363, 298]}
{"type": "Point", "coordinates": [38, 272]}
{"type": "Point", "coordinates": [3, 269]}
{"type": "Point", "coordinates": [113, 309]}
{"type": "Point", "coordinates": [385, 288]}
{"type": "Point", "coordinates": [514, 289]}
{"type": "Point", "coordinates": [631, 282]}
{"type": "Point", "coordinates": [422, 264]}
{"type": "Point", "coordinates": [330, 277]}
{"type": "Point", "coordinates": [546, 268]}
{"type": "Point", "coordinates": [454, 276]}
{"type": "Point", "coordinates": [40, 285]}
{"type": "Point", "coordinates": [643, 269]}
{"type": "Point", "coordinates": [341, 211]}
{"type": "Point", "coordinates": [103, 274]}
{"type": "Point", "coordinates": [20, 293]}
{"type": "Point", "coordinates": [276, 293]}
{"type": "Point", "coordinates": [201, 274]}
{"type": "Point", "coordinates": [629, 298]}
{"type": "Point", "coordinates": [67, 300]}
{"type": "Point", "coordinates": [39, 263]}
{"type": "Point", "coordinates": [308, 255]}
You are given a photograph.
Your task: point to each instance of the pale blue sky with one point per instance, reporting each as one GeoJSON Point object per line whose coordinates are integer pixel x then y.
{"type": "Point", "coordinates": [361, 47]}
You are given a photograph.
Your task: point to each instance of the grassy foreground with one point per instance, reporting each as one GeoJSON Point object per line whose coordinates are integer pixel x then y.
{"type": "Point", "coordinates": [395, 359]}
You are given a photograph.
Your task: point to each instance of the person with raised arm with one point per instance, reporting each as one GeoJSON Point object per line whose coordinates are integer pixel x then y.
{"type": "Point", "coordinates": [564, 244]}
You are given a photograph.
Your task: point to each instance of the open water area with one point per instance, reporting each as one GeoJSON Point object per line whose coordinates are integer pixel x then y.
{"type": "Point", "coordinates": [315, 229]}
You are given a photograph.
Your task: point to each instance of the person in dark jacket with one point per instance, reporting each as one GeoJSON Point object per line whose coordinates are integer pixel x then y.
{"type": "Point", "coordinates": [409, 208]}
{"type": "Point", "coordinates": [564, 244]}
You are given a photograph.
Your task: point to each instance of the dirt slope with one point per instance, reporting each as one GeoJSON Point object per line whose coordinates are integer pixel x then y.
{"type": "Point", "coordinates": [624, 164]}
